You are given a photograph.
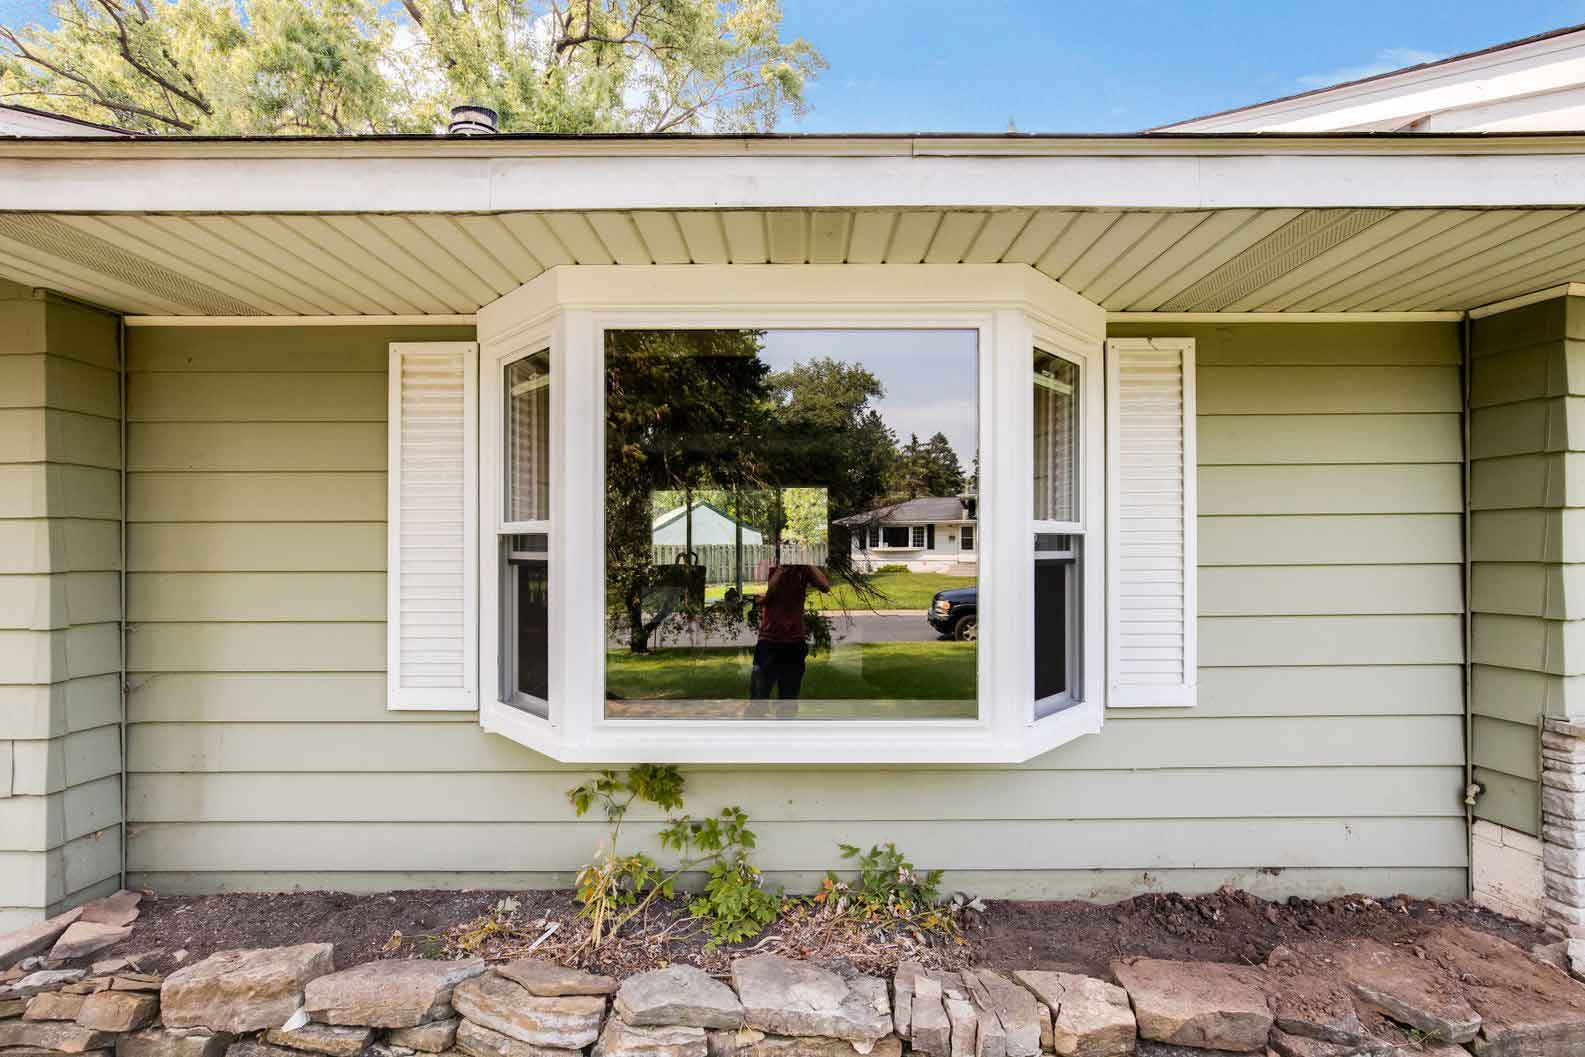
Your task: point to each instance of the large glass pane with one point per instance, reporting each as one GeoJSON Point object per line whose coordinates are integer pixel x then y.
{"type": "Point", "coordinates": [1058, 621]}
{"type": "Point", "coordinates": [1056, 439]}
{"type": "Point", "coordinates": [528, 438]}
{"type": "Point", "coordinates": [525, 622]}
{"type": "Point", "coordinates": [783, 518]}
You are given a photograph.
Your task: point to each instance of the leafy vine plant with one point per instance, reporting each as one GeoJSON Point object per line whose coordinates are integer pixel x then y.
{"type": "Point", "coordinates": [617, 887]}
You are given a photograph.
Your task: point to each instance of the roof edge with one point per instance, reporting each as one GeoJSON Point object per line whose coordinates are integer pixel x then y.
{"type": "Point", "coordinates": [1493, 49]}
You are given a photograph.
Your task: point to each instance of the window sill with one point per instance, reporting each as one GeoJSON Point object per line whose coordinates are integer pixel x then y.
{"type": "Point", "coordinates": [749, 742]}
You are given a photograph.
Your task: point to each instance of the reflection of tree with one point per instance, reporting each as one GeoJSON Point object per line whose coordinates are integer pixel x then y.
{"type": "Point", "coordinates": [681, 407]}
{"type": "Point", "coordinates": [698, 415]}
{"type": "Point", "coordinates": [928, 469]}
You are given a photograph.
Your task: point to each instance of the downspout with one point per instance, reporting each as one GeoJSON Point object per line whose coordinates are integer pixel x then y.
{"type": "Point", "coordinates": [1471, 790]}
{"type": "Point", "coordinates": [121, 385]}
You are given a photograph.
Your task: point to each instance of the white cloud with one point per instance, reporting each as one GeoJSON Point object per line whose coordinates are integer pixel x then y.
{"type": "Point", "coordinates": [1385, 61]}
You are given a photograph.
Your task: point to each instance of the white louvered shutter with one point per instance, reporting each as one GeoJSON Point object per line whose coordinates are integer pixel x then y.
{"type": "Point", "coordinates": [1152, 660]}
{"type": "Point", "coordinates": [432, 573]}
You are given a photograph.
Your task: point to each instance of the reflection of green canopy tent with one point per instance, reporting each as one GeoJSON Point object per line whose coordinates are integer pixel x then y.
{"type": "Point", "coordinates": [711, 525]}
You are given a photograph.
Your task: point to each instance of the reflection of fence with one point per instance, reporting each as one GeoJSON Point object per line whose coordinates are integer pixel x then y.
{"type": "Point", "coordinates": [720, 563]}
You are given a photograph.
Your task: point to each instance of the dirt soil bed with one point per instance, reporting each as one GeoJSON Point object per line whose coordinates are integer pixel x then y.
{"type": "Point", "coordinates": [1227, 926]}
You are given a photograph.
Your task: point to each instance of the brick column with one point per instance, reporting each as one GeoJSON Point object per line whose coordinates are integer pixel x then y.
{"type": "Point", "coordinates": [1563, 826]}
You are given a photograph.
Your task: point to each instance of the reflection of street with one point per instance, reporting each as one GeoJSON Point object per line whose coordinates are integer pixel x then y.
{"type": "Point", "coordinates": [845, 630]}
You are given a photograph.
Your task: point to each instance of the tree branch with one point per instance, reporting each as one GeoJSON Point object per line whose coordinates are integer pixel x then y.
{"type": "Point", "coordinates": [196, 99]}
{"type": "Point", "coordinates": [99, 96]}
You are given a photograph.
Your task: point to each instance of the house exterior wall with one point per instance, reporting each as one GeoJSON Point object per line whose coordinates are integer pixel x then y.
{"type": "Point", "coordinates": [1527, 491]}
{"type": "Point", "coordinates": [945, 556]}
{"type": "Point", "coordinates": [1527, 466]}
{"type": "Point", "coordinates": [1325, 753]}
{"type": "Point", "coordinates": [60, 651]}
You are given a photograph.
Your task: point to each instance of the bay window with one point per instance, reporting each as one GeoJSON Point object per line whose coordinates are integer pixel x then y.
{"type": "Point", "coordinates": [710, 506]}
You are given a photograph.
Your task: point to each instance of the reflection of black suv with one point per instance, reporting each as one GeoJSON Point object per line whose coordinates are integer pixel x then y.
{"type": "Point", "coordinates": [956, 613]}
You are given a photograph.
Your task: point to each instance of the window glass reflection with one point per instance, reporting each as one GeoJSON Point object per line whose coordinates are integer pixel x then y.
{"type": "Point", "coordinates": [790, 524]}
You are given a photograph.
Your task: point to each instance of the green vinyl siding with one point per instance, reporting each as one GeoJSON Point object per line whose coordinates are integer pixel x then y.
{"type": "Point", "coordinates": [1527, 527]}
{"type": "Point", "coordinates": [1325, 753]}
{"type": "Point", "coordinates": [60, 645]}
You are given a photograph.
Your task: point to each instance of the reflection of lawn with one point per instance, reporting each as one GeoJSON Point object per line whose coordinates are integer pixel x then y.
{"type": "Point", "coordinates": [896, 591]}
{"type": "Point", "coordinates": [931, 671]}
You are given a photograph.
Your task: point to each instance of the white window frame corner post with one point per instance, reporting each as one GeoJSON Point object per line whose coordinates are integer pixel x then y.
{"type": "Point", "coordinates": [518, 329]}
{"type": "Point", "coordinates": [1183, 694]}
{"type": "Point", "coordinates": [1085, 348]}
{"type": "Point", "coordinates": [399, 695]}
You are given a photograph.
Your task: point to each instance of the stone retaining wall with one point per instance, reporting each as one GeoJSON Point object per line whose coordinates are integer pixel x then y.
{"type": "Point", "coordinates": [1456, 992]}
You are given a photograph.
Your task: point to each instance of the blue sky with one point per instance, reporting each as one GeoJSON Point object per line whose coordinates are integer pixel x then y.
{"type": "Point", "coordinates": [1124, 65]}
{"type": "Point", "coordinates": [1121, 65]}
{"type": "Point", "coordinates": [929, 375]}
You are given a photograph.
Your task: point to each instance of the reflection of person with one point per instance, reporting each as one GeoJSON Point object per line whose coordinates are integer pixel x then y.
{"type": "Point", "coordinates": [782, 646]}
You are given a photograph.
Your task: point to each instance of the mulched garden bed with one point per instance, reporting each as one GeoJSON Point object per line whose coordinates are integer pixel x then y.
{"type": "Point", "coordinates": [1227, 926]}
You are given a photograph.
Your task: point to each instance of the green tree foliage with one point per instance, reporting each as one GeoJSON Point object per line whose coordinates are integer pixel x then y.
{"type": "Point", "coordinates": [943, 473]}
{"type": "Point", "coordinates": [931, 468]}
{"type": "Point", "coordinates": [283, 67]}
{"type": "Point", "coordinates": [908, 469]}
{"type": "Point", "coordinates": [681, 411]}
{"type": "Point", "coordinates": [826, 403]}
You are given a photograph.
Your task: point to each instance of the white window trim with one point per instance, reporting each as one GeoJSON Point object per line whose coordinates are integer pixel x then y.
{"type": "Point", "coordinates": [1095, 622]}
{"type": "Point", "coordinates": [1007, 305]}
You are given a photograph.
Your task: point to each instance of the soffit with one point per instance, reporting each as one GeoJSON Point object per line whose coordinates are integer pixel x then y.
{"type": "Point", "coordinates": [1229, 260]}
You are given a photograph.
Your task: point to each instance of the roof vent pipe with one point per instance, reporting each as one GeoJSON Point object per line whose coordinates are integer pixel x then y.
{"type": "Point", "coordinates": [470, 120]}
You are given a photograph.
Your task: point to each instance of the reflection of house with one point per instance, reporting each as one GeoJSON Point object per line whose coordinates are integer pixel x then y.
{"type": "Point", "coordinates": [711, 525]}
{"type": "Point", "coordinates": [931, 533]}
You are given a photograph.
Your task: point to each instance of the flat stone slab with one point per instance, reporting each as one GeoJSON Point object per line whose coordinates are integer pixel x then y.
{"type": "Point", "coordinates": [1213, 1007]}
{"type": "Point", "coordinates": [255, 1048]}
{"type": "Point", "coordinates": [785, 997]}
{"type": "Point", "coordinates": [903, 996]}
{"type": "Point", "coordinates": [243, 990]}
{"type": "Point", "coordinates": [158, 1042]}
{"type": "Point", "coordinates": [1311, 1003]}
{"type": "Point", "coordinates": [53, 1005]}
{"type": "Point", "coordinates": [388, 994]}
{"type": "Point", "coordinates": [570, 1022]}
{"type": "Point", "coordinates": [118, 909]}
{"type": "Point", "coordinates": [1089, 1017]}
{"type": "Point", "coordinates": [965, 1026]}
{"type": "Point", "coordinates": [1411, 991]}
{"type": "Point", "coordinates": [1015, 1009]}
{"type": "Point", "coordinates": [330, 1039]}
{"type": "Point", "coordinates": [732, 1043]}
{"type": "Point", "coordinates": [437, 1036]}
{"type": "Point", "coordinates": [83, 938]}
{"type": "Point", "coordinates": [1525, 1008]}
{"type": "Point", "coordinates": [52, 1035]}
{"type": "Point", "coordinates": [1149, 1048]}
{"type": "Point", "coordinates": [807, 1046]}
{"type": "Point", "coordinates": [478, 1041]}
{"type": "Point", "coordinates": [679, 995]}
{"type": "Point", "coordinates": [621, 1039]}
{"type": "Point", "coordinates": [34, 939]}
{"type": "Point", "coordinates": [40, 982]}
{"type": "Point", "coordinates": [931, 1031]}
{"type": "Point", "coordinates": [549, 980]}
{"type": "Point", "coordinates": [118, 1011]}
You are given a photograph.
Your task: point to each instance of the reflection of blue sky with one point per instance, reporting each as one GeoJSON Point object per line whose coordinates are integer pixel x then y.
{"type": "Point", "coordinates": [929, 376]}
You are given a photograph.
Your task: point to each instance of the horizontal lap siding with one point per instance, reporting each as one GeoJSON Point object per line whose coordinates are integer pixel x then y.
{"type": "Point", "coordinates": [60, 654]}
{"type": "Point", "coordinates": [1325, 753]}
{"type": "Point", "coordinates": [1527, 528]}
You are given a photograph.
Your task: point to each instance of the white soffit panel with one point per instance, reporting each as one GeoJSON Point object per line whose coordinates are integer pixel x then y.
{"type": "Point", "coordinates": [1232, 260]}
